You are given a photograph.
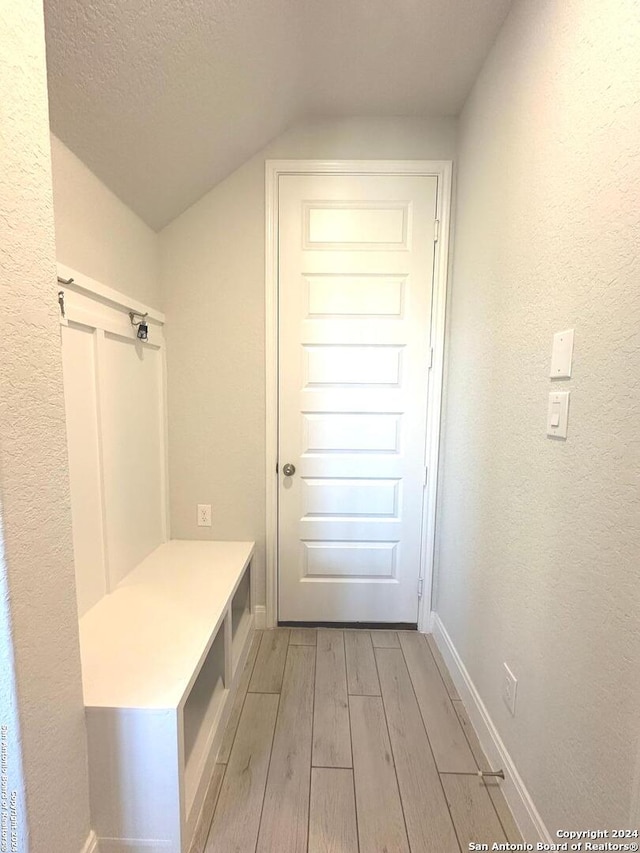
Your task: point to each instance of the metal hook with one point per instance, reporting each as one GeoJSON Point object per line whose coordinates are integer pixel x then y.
{"type": "Point", "coordinates": [141, 324]}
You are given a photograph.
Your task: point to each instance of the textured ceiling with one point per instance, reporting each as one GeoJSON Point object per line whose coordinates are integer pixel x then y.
{"type": "Point", "coordinates": [164, 98]}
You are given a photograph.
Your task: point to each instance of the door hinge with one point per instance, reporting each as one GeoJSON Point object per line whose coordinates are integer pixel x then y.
{"type": "Point", "coordinates": [426, 475]}
{"type": "Point", "coordinates": [436, 230]}
{"type": "Point", "coordinates": [430, 357]}
{"type": "Point", "coordinates": [276, 467]}
{"type": "Point", "coordinates": [61, 302]}
{"type": "Point", "coordinates": [420, 586]}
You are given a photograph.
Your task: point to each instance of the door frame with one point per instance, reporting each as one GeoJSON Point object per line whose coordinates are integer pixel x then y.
{"type": "Point", "coordinates": [442, 170]}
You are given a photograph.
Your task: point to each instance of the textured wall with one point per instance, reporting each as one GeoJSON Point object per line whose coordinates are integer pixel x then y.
{"type": "Point", "coordinates": [36, 560]}
{"type": "Point", "coordinates": [99, 235]}
{"type": "Point", "coordinates": [212, 262]}
{"type": "Point", "coordinates": [10, 741]}
{"type": "Point", "coordinates": [540, 539]}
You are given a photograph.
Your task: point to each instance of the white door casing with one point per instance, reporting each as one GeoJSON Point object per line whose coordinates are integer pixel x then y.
{"type": "Point", "coordinates": [442, 170]}
{"type": "Point", "coordinates": [356, 257]}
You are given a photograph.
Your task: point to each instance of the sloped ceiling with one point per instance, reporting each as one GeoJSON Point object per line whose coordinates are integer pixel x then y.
{"type": "Point", "coordinates": [164, 98]}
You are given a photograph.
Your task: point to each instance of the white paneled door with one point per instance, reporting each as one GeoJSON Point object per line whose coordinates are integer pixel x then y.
{"type": "Point", "coordinates": [356, 257]}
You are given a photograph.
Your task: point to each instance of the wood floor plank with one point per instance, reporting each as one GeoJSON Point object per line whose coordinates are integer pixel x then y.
{"type": "Point", "coordinates": [331, 730]}
{"type": "Point", "coordinates": [448, 742]}
{"type": "Point", "coordinates": [269, 665]}
{"type": "Point", "coordinates": [510, 827]}
{"type": "Point", "coordinates": [203, 824]}
{"type": "Point", "coordinates": [362, 676]}
{"type": "Point", "coordinates": [285, 816]}
{"type": "Point", "coordinates": [493, 787]}
{"type": "Point", "coordinates": [481, 759]}
{"type": "Point", "coordinates": [238, 702]}
{"type": "Point", "coordinates": [237, 817]}
{"type": "Point", "coordinates": [473, 813]}
{"type": "Point", "coordinates": [427, 817]}
{"type": "Point", "coordinates": [332, 818]}
{"type": "Point", "coordinates": [380, 818]}
{"type": "Point", "coordinates": [442, 668]}
{"type": "Point", "coordinates": [385, 640]}
{"type": "Point", "coordinates": [303, 637]}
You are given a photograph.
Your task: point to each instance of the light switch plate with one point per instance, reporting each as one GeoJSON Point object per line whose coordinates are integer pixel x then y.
{"type": "Point", "coordinates": [562, 355]}
{"type": "Point", "coordinates": [558, 414]}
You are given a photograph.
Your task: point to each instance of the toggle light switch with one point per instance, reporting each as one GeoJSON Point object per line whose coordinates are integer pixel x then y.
{"type": "Point", "coordinates": [558, 414]}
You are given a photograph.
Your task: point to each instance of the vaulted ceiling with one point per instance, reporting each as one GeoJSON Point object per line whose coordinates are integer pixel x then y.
{"type": "Point", "coordinates": [164, 98]}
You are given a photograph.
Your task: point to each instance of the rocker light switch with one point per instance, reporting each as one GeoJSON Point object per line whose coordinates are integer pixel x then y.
{"type": "Point", "coordinates": [558, 414]}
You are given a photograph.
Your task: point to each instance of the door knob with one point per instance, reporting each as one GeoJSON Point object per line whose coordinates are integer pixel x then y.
{"type": "Point", "coordinates": [288, 470]}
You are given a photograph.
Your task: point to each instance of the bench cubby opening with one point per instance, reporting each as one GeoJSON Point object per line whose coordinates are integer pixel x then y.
{"type": "Point", "coordinates": [241, 620]}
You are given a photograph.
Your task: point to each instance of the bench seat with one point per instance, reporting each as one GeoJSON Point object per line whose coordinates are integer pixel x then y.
{"type": "Point", "coordinates": [161, 657]}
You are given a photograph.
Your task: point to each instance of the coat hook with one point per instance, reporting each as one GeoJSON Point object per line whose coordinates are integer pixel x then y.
{"type": "Point", "coordinates": [143, 328]}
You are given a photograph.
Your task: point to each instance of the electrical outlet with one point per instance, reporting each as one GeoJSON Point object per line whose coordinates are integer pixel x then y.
{"type": "Point", "coordinates": [509, 688]}
{"type": "Point", "coordinates": [204, 515]}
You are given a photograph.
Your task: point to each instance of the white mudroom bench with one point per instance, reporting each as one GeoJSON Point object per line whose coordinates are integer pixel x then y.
{"type": "Point", "coordinates": [161, 659]}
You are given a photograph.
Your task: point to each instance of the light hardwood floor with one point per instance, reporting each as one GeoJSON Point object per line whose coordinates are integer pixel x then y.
{"type": "Point", "coordinates": [350, 742]}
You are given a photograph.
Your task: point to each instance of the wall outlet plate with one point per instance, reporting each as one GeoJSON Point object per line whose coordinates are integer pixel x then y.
{"type": "Point", "coordinates": [204, 515]}
{"type": "Point", "coordinates": [509, 689]}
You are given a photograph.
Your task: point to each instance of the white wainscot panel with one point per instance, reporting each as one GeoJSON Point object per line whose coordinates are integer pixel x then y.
{"type": "Point", "coordinates": [354, 296]}
{"type": "Point", "coordinates": [328, 364]}
{"type": "Point", "coordinates": [350, 497]}
{"type": "Point", "coordinates": [350, 560]}
{"type": "Point", "coordinates": [333, 432]}
{"type": "Point", "coordinates": [80, 394]}
{"type": "Point", "coordinates": [356, 225]}
{"type": "Point", "coordinates": [132, 409]}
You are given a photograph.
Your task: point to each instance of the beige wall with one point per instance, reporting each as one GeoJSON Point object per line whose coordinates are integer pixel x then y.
{"type": "Point", "coordinates": [38, 608]}
{"type": "Point", "coordinates": [539, 538]}
{"type": "Point", "coordinates": [98, 235]}
{"type": "Point", "coordinates": [212, 266]}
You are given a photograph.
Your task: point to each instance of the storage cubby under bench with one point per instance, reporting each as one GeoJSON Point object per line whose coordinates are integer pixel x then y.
{"type": "Point", "coordinates": [161, 658]}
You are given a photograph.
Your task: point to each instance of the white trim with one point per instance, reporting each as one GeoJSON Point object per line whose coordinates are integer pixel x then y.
{"type": "Point", "coordinates": [515, 792]}
{"type": "Point", "coordinates": [428, 629]}
{"type": "Point", "coordinates": [91, 844]}
{"type": "Point", "coordinates": [434, 395]}
{"type": "Point", "coordinates": [260, 617]}
{"type": "Point", "coordinates": [108, 294]}
{"type": "Point", "coordinates": [442, 169]}
{"type": "Point", "coordinates": [271, 385]}
{"type": "Point", "coordinates": [99, 360]}
{"type": "Point", "coordinates": [135, 845]}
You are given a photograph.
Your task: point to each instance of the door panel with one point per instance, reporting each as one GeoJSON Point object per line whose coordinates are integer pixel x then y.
{"type": "Point", "coordinates": [355, 284]}
{"type": "Point", "coordinates": [350, 559]}
{"type": "Point", "coordinates": [355, 296]}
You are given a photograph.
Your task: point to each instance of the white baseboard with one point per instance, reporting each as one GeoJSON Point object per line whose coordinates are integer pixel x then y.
{"type": "Point", "coordinates": [134, 845]}
{"type": "Point", "coordinates": [515, 792]}
{"type": "Point", "coordinates": [91, 844]}
{"type": "Point", "coordinates": [260, 617]}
